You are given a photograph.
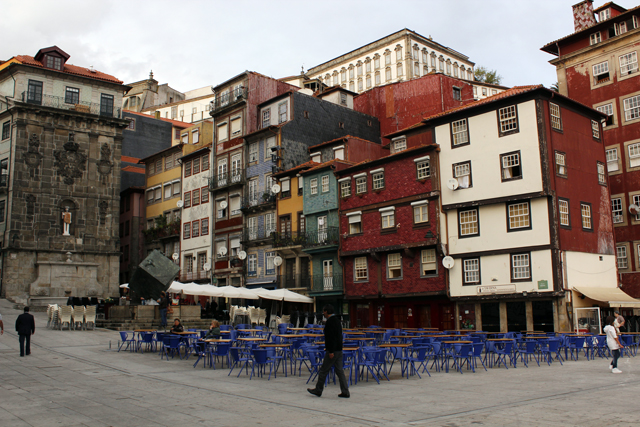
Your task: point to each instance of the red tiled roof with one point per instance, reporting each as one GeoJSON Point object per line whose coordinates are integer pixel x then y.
{"type": "Point", "coordinates": [304, 165]}
{"type": "Point", "coordinates": [129, 159]}
{"type": "Point", "coordinates": [327, 164]}
{"type": "Point", "coordinates": [342, 138]}
{"type": "Point", "coordinates": [408, 150]}
{"type": "Point", "coordinates": [175, 123]}
{"type": "Point", "coordinates": [133, 169]}
{"type": "Point", "coordinates": [70, 69]}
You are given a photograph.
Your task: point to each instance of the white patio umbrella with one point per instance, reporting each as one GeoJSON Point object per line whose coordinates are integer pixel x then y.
{"type": "Point", "coordinates": [201, 290]}
{"type": "Point", "coordinates": [237, 292]}
{"type": "Point", "coordinates": [176, 287]}
{"type": "Point", "coordinates": [282, 295]}
{"type": "Point", "coordinates": [125, 285]}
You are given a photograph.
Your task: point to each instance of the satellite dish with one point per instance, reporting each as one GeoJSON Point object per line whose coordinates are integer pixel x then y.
{"type": "Point", "coordinates": [206, 266]}
{"type": "Point", "coordinates": [452, 184]}
{"type": "Point", "coordinates": [180, 203]}
{"type": "Point", "coordinates": [275, 188]}
{"type": "Point", "coordinates": [175, 256]}
{"type": "Point", "coordinates": [634, 209]}
{"type": "Point", "coordinates": [242, 255]}
{"type": "Point", "coordinates": [447, 262]}
{"type": "Point", "coordinates": [223, 204]}
{"type": "Point", "coordinates": [222, 251]}
{"type": "Point", "coordinates": [277, 261]}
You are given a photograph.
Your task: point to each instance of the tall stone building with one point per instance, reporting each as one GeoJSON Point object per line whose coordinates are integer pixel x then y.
{"type": "Point", "coordinates": [60, 150]}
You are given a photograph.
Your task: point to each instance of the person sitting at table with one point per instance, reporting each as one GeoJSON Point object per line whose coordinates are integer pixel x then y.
{"type": "Point", "coordinates": [214, 331]}
{"type": "Point", "coordinates": [177, 326]}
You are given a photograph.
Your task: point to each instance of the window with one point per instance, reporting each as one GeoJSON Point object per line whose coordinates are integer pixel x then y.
{"type": "Point", "coordinates": [511, 168]}
{"type": "Point", "coordinates": [387, 215]}
{"type": "Point", "coordinates": [634, 155]}
{"type": "Point", "coordinates": [508, 118]}
{"type": "Point", "coordinates": [325, 184]}
{"type": "Point", "coordinates": [205, 162]}
{"type": "Point", "coordinates": [471, 271]}
{"type": "Point", "coordinates": [355, 223]}
{"type": "Point", "coordinates": [158, 193]}
{"type": "Point", "coordinates": [595, 38]}
{"type": "Point", "coordinates": [421, 212]}
{"type": "Point", "coordinates": [612, 160]}
{"type": "Point", "coordinates": [338, 153]}
{"type": "Point", "coordinates": [468, 223]}
{"type": "Point", "coordinates": [376, 62]}
{"type": "Point", "coordinates": [605, 14]}
{"type": "Point", "coordinates": [223, 131]}
{"type": "Point", "coordinates": [236, 126]}
{"type": "Point", "coordinates": [252, 266]}
{"type": "Point", "coordinates": [34, 92]}
{"type": "Point", "coordinates": [234, 204]}
{"type": "Point", "coordinates": [387, 57]}
{"type": "Point", "coordinates": [195, 136]}
{"type": "Point", "coordinates": [204, 225]}
{"type": "Point", "coordinates": [416, 73]}
{"type": "Point", "coordinates": [398, 54]}
{"type": "Point", "coordinates": [187, 199]}
{"type": "Point", "coordinates": [270, 142]}
{"type": "Point", "coordinates": [621, 257]}
{"type": "Point", "coordinates": [168, 162]}
{"type": "Point", "coordinates": [360, 87]}
{"type": "Point", "coordinates": [345, 188]}
{"type": "Point", "coordinates": [2, 210]}
{"type": "Point", "coordinates": [441, 64]}
{"type": "Point", "coordinates": [285, 188]}
{"type": "Point", "coordinates": [72, 95]}
{"type": "Point", "coordinates": [359, 69]}
{"type": "Point", "coordinates": [399, 70]}
{"type": "Point", "coordinates": [270, 223]}
{"type": "Point", "coordinates": [595, 129]}
{"type": "Point", "coordinates": [221, 209]}
{"type": "Point", "coordinates": [54, 62]}
{"type": "Point", "coordinates": [632, 108]}
{"type": "Point", "coordinates": [314, 185]}
{"type": "Point", "coordinates": [270, 265]}
{"type": "Point", "coordinates": [556, 119]}
{"type": "Point", "coordinates": [561, 167]}
{"type": "Point", "coordinates": [423, 169]}
{"type": "Point", "coordinates": [563, 209]}
{"type": "Point", "coordinates": [520, 268]}
{"type": "Point", "coordinates": [6, 130]}
{"type": "Point", "coordinates": [617, 211]}
{"type": "Point", "coordinates": [106, 105]}
{"type": "Point", "coordinates": [187, 168]}
{"type": "Point", "coordinates": [361, 273]}
{"type": "Point", "coordinates": [196, 165]}
{"type": "Point", "coordinates": [167, 191]}
{"type": "Point", "coordinates": [387, 74]}
{"type": "Point", "coordinates": [343, 75]}
{"type": "Point", "coordinates": [606, 109]}
{"type": "Point", "coordinates": [377, 78]}
{"type": "Point", "coordinates": [484, 91]}
{"type": "Point", "coordinates": [585, 210]}
{"type": "Point", "coordinates": [428, 262]}
{"type": "Point", "coordinates": [462, 172]}
{"type": "Point", "coordinates": [378, 180]}
{"type": "Point", "coordinates": [601, 72]}
{"type": "Point", "coordinates": [368, 81]}
{"type": "Point", "coordinates": [351, 71]}
{"type": "Point", "coordinates": [394, 266]}
{"type": "Point", "coordinates": [195, 197]}
{"type": "Point", "coordinates": [602, 178]}
{"type": "Point", "coordinates": [186, 231]}
{"type": "Point", "coordinates": [519, 216]}
{"type": "Point", "coordinates": [448, 68]}
{"type": "Point", "coordinates": [361, 184]}
{"type": "Point", "coordinates": [457, 96]}
{"type": "Point", "coordinates": [399, 144]}
{"type": "Point", "coordinates": [195, 228]}
{"type": "Point", "coordinates": [628, 63]}
{"type": "Point", "coordinates": [282, 111]}
{"type": "Point", "coordinates": [253, 152]}
{"type": "Point", "coordinates": [343, 98]}
{"type": "Point", "coordinates": [424, 56]}
{"type": "Point", "coordinates": [300, 185]}
{"type": "Point", "coordinates": [460, 133]}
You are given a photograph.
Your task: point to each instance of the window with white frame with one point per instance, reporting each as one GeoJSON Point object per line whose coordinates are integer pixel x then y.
{"type": "Point", "coordinates": [595, 129]}
{"type": "Point", "coordinates": [399, 144]}
{"type": "Point", "coordinates": [634, 155]}
{"type": "Point", "coordinates": [368, 81]}
{"type": "Point", "coordinates": [376, 62]}
{"type": "Point", "coordinates": [361, 184]}
{"type": "Point", "coordinates": [471, 271]}
{"type": "Point", "coordinates": [234, 243]}
{"type": "Point", "coordinates": [602, 178]}
{"type": "Point", "coordinates": [561, 167]}
{"type": "Point", "coordinates": [234, 204]}
{"type": "Point", "coordinates": [360, 266]}
{"type": "Point", "coordinates": [616, 210]}
{"type": "Point", "coordinates": [285, 185]}
{"type": "Point", "coordinates": [355, 223]}
{"type": "Point", "coordinates": [377, 179]}
{"type": "Point", "coordinates": [511, 168]}
{"type": "Point", "coordinates": [462, 172]}
{"type": "Point", "coordinates": [416, 69]}
{"type": "Point", "coordinates": [221, 208]}
{"type": "Point", "coordinates": [195, 136]}
{"type": "Point", "coordinates": [325, 184]}
{"type": "Point", "coordinates": [377, 78]}
{"type": "Point", "coordinates": [176, 187]}
{"type": "Point", "coordinates": [595, 38]}
{"type": "Point", "coordinates": [223, 131]}
{"type": "Point", "coordinates": [519, 216]}
{"type": "Point", "coordinates": [421, 212]}
{"type": "Point", "coordinates": [270, 265]}
{"type": "Point", "coordinates": [563, 209]}
{"type": "Point", "coordinates": [253, 152]}
{"type": "Point", "coordinates": [252, 265]}
{"type": "Point", "coordinates": [601, 72]}
{"type": "Point", "coordinates": [394, 266]}
{"type": "Point", "coordinates": [423, 168]}
{"type": "Point", "coordinates": [556, 119]}
{"type": "Point", "coordinates": [636, 201]}
{"type": "Point", "coordinates": [270, 223]}
{"type": "Point", "coordinates": [387, 74]}
{"type": "Point", "coordinates": [313, 183]}
{"type": "Point", "coordinates": [387, 215]}
{"type": "Point", "coordinates": [282, 110]}
{"type": "Point", "coordinates": [622, 27]}
{"type": "Point", "coordinates": [520, 267]}
{"type": "Point", "coordinates": [585, 211]}
{"type": "Point", "coordinates": [468, 222]}
{"type": "Point", "coordinates": [632, 108]}
{"type": "Point", "coordinates": [628, 63]}
{"type": "Point", "coordinates": [428, 264]}
{"type": "Point", "coordinates": [167, 191]}
{"type": "Point", "coordinates": [508, 117]}
{"type": "Point", "coordinates": [338, 153]}
{"type": "Point", "coordinates": [621, 257]}
{"type": "Point", "coordinates": [186, 232]}
{"type": "Point", "coordinates": [269, 143]}
{"type": "Point", "coordinates": [606, 109]}
{"type": "Point", "coordinates": [612, 160]}
{"type": "Point", "coordinates": [460, 132]}
{"type": "Point", "coordinates": [399, 71]}
{"type": "Point", "coordinates": [605, 14]}
{"type": "Point", "coordinates": [345, 188]}
{"type": "Point", "coordinates": [236, 126]}
{"type": "Point", "coordinates": [398, 54]}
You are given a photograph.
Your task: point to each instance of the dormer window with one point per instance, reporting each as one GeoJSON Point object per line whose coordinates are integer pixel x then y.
{"type": "Point", "coordinates": [53, 62]}
{"type": "Point", "coordinates": [316, 157]}
{"type": "Point", "coordinates": [605, 14]}
{"type": "Point", "coordinates": [595, 38]}
{"type": "Point", "coordinates": [398, 144]}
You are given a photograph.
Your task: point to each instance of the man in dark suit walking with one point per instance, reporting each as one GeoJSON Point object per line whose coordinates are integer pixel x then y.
{"type": "Point", "coordinates": [333, 354]}
{"type": "Point", "coordinates": [25, 327]}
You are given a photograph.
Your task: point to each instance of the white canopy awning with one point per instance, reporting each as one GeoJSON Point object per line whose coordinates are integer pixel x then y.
{"type": "Point", "coordinates": [282, 295]}
{"type": "Point", "coordinates": [615, 297]}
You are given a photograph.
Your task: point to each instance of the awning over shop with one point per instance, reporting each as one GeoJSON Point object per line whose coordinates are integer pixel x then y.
{"type": "Point", "coordinates": [615, 297]}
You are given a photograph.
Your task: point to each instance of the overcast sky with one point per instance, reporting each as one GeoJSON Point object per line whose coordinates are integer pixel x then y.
{"type": "Point", "coordinates": [194, 43]}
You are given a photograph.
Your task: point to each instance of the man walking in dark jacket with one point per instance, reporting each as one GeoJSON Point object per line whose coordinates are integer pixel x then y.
{"type": "Point", "coordinates": [333, 354]}
{"type": "Point", "coordinates": [25, 327]}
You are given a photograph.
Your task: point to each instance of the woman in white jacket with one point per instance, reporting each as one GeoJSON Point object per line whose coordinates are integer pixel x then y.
{"type": "Point", "coordinates": [613, 342]}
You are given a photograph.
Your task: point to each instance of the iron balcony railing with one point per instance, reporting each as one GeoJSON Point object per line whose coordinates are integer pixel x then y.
{"type": "Point", "coordinates": [226, 179]}
{"type": "Point", "coordinates": [286, 239]}
{"type": "Point", "coordinates": [229, 98]}
{"type": "Point", "coordinates": [253, 234]}
{"type": "Point", "coordinates": [295, 281]}
{"type": "Point", "coordinates": [327, 283]}
{"type": "Point", "coordinates": [258, 199]}
{"type": "Point", "coordinates": [80, 106]}
{"type": "Point", "coordinates": [189, 276]}
{"type": "Point", "coordinates": [323, 237]}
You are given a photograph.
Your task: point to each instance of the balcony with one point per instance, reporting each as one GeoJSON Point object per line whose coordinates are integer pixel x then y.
{"type": "Point", "coordinates": [329, 283]}
{"type": "Point", "coordinates": [257, 235]}
{"type": "Point", "coordinates": [162, 230]}
{"type": "Point", "coordinates": [228, 99]}
{"type": "Point", "coordinates": [226, 179]}
{"type": "Point", "coordinates": [299, 281]}
{"type": "Point", "coordinates": [286, 240]}
{"type": "Point", "coordinates": [258, 201]}
{"type": "Point", "coordinates": [190, 276]}
{"type": "Point", "coordinates": [80, 107]}
{"type": "Point", "coordinates": [322, 238]}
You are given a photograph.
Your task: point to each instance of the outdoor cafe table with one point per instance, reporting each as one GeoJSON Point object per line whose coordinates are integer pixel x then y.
{"type": "Point", "coordinates": [250, 331]}
{"type": "Point", "coordinates": [403, 348]}
{"type": "Point", "coordinates": [297, 329]}
{"type": "Point", "coordinates": [355, 333]}
{"type": "Point", "coordinates": [283, 349]}
{"type": "Point", "coordinates": [251, 339]}
{"type": "Point", "coordinates": [448, 348]}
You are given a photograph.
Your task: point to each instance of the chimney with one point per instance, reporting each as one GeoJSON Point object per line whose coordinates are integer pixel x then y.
{"type": "Point", "coordinates": [583, 16]}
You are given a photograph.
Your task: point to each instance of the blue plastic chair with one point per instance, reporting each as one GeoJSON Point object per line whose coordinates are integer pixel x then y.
{"type": "Point", "coordinates": [315, 358]}
{"type": "Point", "coordinates": [221, 351]}
{"type": "Point", "coordinates": [550, 349]}
{"type": "Point", "coordinates": [419, 355]}
{"type": "Point", "coordinates": [146, 339]}
{"type": "Point", "coordinates": [462, 353]}
{"type": "Point", "coordinates": [477, 355]}
{"type": "Point", "coordinates": [261, 360]}
{"type": "Point", "coordinates": [130, 342]}
{"type": "Point", "coordinates": [171, 345]}
{"type": "Point", "coordinates": [501, 352]}
{"type": "Point", "coordinates": [575, 346]}
{"type": "Point", "coordinates": [240, 360]}
{"type": "Point", "coordinates": [528, 350]}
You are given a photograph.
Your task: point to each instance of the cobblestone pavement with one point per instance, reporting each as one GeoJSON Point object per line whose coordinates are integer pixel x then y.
{"type": "Point", "coordinates": [77, 378]}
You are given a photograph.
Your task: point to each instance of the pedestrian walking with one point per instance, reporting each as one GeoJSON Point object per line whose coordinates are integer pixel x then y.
{"type": "Point", "coordinates": [619, 322]}
{"type": "Point", "coordinates": [25, 327]}
{"type": "Point", "coordinates": [613, 342]}
{"type": "Point", "coordinates": [163, 302]}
